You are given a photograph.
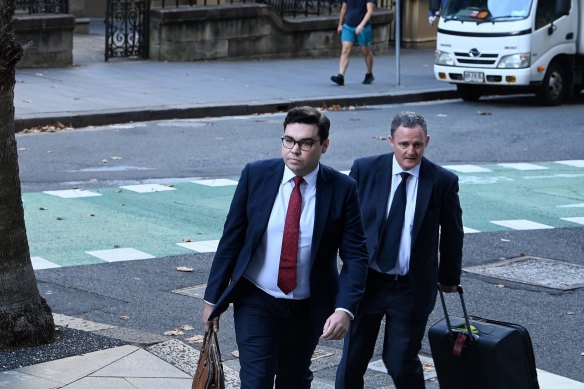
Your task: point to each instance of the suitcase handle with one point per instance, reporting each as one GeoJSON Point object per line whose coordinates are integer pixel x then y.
{"type": "Point", "coordinates": [466, 319]}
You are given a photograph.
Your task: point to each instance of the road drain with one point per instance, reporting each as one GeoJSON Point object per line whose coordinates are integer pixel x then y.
{"type": "Point", "coordinates": [548, 273]}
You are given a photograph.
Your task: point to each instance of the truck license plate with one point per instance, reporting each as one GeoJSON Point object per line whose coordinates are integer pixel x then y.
{"type": "Point", "coordinates": [474, 77]}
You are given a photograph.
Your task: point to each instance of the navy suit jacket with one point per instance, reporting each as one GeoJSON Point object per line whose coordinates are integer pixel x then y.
{"type": "Point", "coordinates": [437, 223]}
{"type": "Point", "coordinates": [337, 229]}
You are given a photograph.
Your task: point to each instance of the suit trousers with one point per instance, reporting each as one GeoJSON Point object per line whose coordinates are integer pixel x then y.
{"type": "Point", "coordinates": [402, 337]}
{"type": "Point", "coordinates": [275, 339]}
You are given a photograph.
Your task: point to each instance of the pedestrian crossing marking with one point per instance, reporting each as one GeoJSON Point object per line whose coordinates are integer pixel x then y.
{"type": "Point", "coordinates": [39, 263]}
{"type": "Point", "coordinates": [216, 182]}
{"type": "Point", "coordinates": [120, 254]}
{"type": "Point", "coordinates": [71, 193]}
{"type": "Point", "coordinates": [209, 246]}
{"type": "Point", "coordinates": [579, 220]}
{"type": "Point", "coordinates": [147, 188]}
{"type": "Point", "coordinates": [523, 166]}
{"type": "Point", "coordinates": [575, 163]}
{"type": "Point", "coordinates": [579, 205]}
{"type": "Point", "coordinates": [467, 168]}
{"type": "Point", "coordinates": [184, 212]}
{"type": "Point", "coordinates": [521, 224]}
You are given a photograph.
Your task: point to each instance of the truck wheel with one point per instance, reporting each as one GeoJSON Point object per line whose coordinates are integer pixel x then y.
{"type": "Point", "coordinates": [554, 85]}
{"type": "Point", "coordinates": [468, 92]}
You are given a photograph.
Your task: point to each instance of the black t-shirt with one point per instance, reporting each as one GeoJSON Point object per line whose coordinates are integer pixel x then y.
{"type": "Point", "coordinates": [356, 10]}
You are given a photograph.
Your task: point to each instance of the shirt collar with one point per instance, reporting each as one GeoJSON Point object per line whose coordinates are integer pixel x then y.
{"type": "Point", "coordinates": [310, 178]}
{"type": "Point", "coordinates": [397, 169]}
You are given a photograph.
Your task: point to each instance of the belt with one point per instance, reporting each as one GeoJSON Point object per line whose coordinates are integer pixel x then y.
{"type": "Point", "coordinates": [389, 277]}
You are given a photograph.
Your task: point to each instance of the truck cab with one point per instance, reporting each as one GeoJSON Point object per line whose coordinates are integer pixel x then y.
{"type": "Point", "coordinates": [502, 46]}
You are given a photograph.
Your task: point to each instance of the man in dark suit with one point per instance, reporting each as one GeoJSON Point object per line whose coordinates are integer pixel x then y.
{"type": "Point", "coordinates": [403, 243]}
{"type": "Point", "coordinates": [283, 280]}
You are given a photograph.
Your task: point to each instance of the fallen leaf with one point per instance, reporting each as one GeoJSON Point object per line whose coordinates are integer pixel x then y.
{"type": "Point", "coordinates": [174, 332]}
{"type": "Point", "coordinates": [570, 312]}
{"type": "Point", "coordinates": [42, 209]}
{"type": "Point", "coordinates": [195, 339]}
{"type": "Point", "coordinates": [104, 161]}
{"type": "Point", "coordinates": [116, 246]}
{"type": "Point", "coordinates": [55, 127]}
{"type": "Point", "coordinates": [124, 317]}
{"type": "Point", "coordinates": [185, 269]}
{"type": "Point", "coordinates": [60, 218]}
{"type": "Point", "coordinates": [23, 149]}
{"type": "Point", "coordinates": [235, 353]}
{"type": "Point", "coordinates": [500, 286]}
{"type": "Point", "coordinates": [92, 214]}
{"type": "Point", "coordinates": [522, 254]}
{"type": "Point", "coordinates": [187, 240]}
{"type": "Point", "coordinates": [187, 327]}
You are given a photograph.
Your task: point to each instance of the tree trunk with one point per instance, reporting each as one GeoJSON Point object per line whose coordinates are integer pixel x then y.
{"type": "Point", "coordinates": [25, 317]}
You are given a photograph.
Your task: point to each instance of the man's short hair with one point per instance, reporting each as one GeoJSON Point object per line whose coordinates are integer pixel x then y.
{"type": "Point", "coordinates": [410, 120]}
{"type": "Point", "coordinates": [309, 115]}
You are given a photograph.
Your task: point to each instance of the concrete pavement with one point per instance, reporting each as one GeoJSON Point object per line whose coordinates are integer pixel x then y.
{"type": "Point", "coordinates": [94, 93]}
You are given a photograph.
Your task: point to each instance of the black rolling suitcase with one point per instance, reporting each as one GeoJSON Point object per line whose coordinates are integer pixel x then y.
{"type": "Point", "coordinates": [476, 353]}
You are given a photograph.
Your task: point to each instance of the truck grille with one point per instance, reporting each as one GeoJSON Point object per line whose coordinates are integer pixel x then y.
{"type": "Point", "coordinates": [482, 59]}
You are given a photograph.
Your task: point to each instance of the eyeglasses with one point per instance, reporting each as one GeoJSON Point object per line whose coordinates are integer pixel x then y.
{"type": "Point", "coordinates": [304, 145]}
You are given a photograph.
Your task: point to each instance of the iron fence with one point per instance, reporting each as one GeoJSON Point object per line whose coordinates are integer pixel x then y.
{"type": "Point", "coordinates": [42, 6]}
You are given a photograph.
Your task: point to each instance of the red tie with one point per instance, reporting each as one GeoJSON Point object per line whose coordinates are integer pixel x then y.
{"type": "Point", "coordinates": [289, 254]}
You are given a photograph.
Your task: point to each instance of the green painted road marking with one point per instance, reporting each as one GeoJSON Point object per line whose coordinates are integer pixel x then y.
{"type": "Point", "coordinates": [62, 230]}
{"type": "Point", "coordinates": [510, 194]}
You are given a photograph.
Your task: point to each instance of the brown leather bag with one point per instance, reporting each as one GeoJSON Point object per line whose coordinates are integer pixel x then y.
{"type": "Point", "coordinates": [209, 372]}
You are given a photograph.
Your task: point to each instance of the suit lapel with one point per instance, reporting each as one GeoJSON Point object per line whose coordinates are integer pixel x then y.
{"type": "Point", "coordinates": [382, 186]}
{"type": "Point", "coordinates": [263, 196]}
{"type": "Point", "coordinates": [425, 184]}
{"type": "Point", "coordinates": [324, 199]}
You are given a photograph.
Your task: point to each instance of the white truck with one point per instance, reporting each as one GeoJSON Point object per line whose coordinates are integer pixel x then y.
{"type": "Point", "coordinates": [508, 46]}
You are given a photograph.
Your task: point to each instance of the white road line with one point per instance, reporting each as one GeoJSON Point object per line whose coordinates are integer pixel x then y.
{"type": "Point", "coordinates": [574, 162]}
{"type": "Point", "coordinates": [523, 166]}
{"type": "Point", "coordinates": [467, 168]}
{"type": "Point", "coordinates": [217, 182]}
{"type": "Point", "coordinates": [71, 193]}
{"type": "Point", "coordinates": [39, 263]}
{"type": "Point", "coordinates": [208, 246]}
{"type": "Point", "coordinates": [121, 254]}
{"type": "Point", "coordinates": [468, 230]}
{"type": "Point", "coordinates": [521, 224]}
{"type": "Point", "coordinates": [147, 188]}
{"type": "Point", "coordinates": [579, 205]}
{"type": "Point", "coordinates": [579, 220]}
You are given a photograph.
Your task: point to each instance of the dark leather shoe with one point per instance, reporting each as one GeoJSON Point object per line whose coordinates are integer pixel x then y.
{"type": "Point", "coordinates": [368, 78]}
{"type": "Point", "coordinates": [339, 79]}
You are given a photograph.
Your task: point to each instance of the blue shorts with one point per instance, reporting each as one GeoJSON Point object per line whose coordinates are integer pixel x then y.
{"type": "Point", "coordinates": [363, 39]}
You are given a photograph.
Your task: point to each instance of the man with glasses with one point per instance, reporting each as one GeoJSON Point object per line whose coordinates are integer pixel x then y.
{"type": "Point", "coordinates": [411, 211]}
{"type": "Point", "coordinates": [277, 259]}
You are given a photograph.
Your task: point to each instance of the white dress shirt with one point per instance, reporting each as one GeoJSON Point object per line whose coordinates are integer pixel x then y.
{"type": "Point", "coordinates": [402, 266]}
{"type": "Point", "coordinates": [264, 266]}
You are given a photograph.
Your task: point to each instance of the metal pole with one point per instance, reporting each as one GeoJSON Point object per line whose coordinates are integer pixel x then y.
{"type": "Point", "coordinates": [397, 39]}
